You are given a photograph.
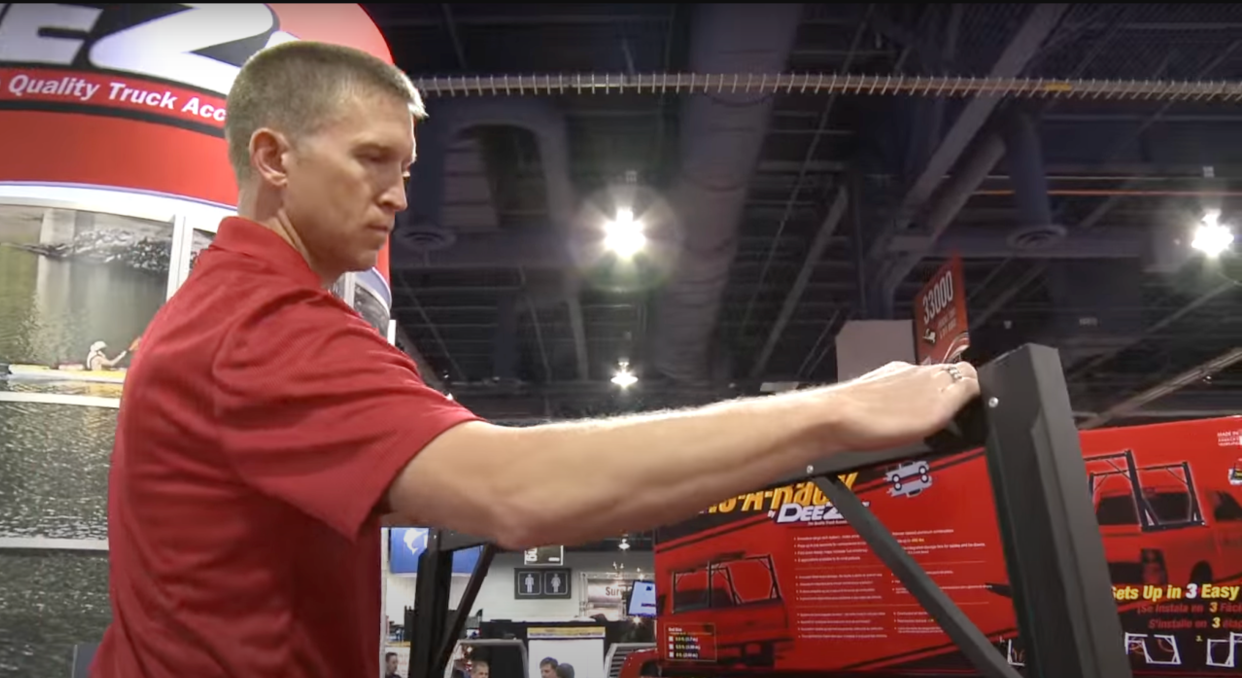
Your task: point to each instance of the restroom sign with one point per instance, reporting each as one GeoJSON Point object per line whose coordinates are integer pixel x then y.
{"type": "Point", "coordinates": [542, 583]}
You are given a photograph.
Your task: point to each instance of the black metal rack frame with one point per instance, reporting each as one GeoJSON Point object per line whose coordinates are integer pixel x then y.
{"type": "Point", "coordinates": [1058, 575]}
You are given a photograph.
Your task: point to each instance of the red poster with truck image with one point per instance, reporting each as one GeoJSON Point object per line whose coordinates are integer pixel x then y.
{"type": "Point", "coordinates": [775, 581]}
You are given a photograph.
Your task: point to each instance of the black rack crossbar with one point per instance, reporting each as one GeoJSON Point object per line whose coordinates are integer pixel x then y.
{"type": "Point", "coordinates": [1058, 575]}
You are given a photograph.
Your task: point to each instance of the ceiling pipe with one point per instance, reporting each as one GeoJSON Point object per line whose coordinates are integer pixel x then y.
{"type": "Point", "coordinates": [1022, 48]}
{"type": "Point", "coordinates": [1030, 182]}
{"type": "Point", "coordinates": [722, 134]}
{"type": "Point", "coordinates": [449, 118]}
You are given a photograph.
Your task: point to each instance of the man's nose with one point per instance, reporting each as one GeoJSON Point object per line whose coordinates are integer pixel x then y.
{"type": "Point", "coordinates": [395, 198]}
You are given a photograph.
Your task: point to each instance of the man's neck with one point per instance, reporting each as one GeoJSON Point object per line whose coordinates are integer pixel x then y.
{"type": "Point", "coordinates": [275, 219]}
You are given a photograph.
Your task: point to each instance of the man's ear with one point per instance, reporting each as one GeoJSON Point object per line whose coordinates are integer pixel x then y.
{"type": "Point", "coordinates": [268, 150]}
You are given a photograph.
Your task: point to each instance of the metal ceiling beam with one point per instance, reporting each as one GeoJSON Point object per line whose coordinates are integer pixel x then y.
{"type": "Point", "coordinates": [1080, 371]}
{"type": "Point", "coordinates": [816, 252]}
{"type": "Point", "coordinates": [1113, 243]}
{"type": "Point", "coordinates": [1034, 273]}
{"type": "Point", "coordinates": [1196, 374]}
{"type": "Point", "coordinates": [1024, 46]}
{"type": "Point", "coordinates": [934, 57]}
{"type": "Point", "coordinates": [1134, 135]}
{"type": "Point", "coordinates": [550, 250]}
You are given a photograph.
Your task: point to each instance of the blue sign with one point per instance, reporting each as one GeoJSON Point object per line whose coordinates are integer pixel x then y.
{"type": "Point", "coordinates": [406, 544]}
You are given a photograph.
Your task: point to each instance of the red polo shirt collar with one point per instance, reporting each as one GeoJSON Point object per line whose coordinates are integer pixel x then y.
{"type": "Point", "coordinates": [252, 239]}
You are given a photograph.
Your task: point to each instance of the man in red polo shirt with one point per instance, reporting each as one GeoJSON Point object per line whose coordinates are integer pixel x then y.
{"type": "Point", "coordinates": [266, 427]}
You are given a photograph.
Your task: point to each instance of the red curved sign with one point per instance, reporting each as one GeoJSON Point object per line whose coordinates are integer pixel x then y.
{"type": "Point", "coordinates": [133, 96]}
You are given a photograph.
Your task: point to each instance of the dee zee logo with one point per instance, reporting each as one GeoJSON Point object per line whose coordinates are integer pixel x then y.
{"type": "Point", "coordinates": [201, 46]}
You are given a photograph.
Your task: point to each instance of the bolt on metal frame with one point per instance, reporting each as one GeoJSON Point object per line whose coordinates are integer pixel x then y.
{"type": "Point", "coordinates": [1058, 576]}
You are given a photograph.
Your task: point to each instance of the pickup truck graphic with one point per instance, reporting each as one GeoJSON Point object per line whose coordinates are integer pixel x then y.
{"type": "Point", "coordinates": [1153, 523]}
{"type": "Point", "coordinates": [739, 594]}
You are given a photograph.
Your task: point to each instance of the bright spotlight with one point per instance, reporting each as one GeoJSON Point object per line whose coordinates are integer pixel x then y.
{"type": "Point", "coordinates": [1212, 237]}
{"type": "Point", "coordinates": [624, 377]}
{"type": "Point", "coordinates": [624, 234]}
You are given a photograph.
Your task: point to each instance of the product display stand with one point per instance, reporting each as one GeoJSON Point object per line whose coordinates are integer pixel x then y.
{"type": "Point", "coordinates": [436, 631]}
{"type": "Point", "coordinates": [1058, 576]}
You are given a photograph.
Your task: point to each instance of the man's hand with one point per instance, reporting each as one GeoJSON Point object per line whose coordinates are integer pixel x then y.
{"type": "Point", "coordinates": [899, 404]}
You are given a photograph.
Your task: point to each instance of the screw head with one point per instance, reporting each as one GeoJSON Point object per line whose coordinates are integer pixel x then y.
{"type": "Point", "coordinates": [810, 469]}
{"type": "Point", "coordinates": [993, 402]}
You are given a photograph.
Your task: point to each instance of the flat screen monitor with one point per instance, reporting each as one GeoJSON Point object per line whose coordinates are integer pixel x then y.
{"type": "Point", "coordinates": [642, 599]}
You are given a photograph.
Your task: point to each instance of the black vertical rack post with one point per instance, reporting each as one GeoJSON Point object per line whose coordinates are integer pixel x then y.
{"type": "Point", "coordinates": [1058, 575]}
{"type": "Point", "coordinates": [435, 631]}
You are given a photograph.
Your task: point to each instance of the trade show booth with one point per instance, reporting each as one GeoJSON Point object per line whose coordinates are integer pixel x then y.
{"type": "Point", "coordinates": [113, 178]}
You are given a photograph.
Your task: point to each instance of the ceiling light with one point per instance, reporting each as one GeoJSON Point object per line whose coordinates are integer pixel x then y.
{"type": "Point", "coordinates": [624, 234]}
{"type": "Point", "coordinates": [624, 377]}
{"type": "Point", "coordinates": [1212, 237]}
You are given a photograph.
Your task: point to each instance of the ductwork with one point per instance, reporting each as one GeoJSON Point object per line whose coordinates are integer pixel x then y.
{"type": "Point", "coordinates": [721, 136]}
{"type": "Point", "coordinates": [1026, 170]}
{"type": "Point", "coordinates": [450, 117]}
{"type": "Point", "coordinates": [424, 231]}
{"type": "Point", "coordinates": [1097, 286]}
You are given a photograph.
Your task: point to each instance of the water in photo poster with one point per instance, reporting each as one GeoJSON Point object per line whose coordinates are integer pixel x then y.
{"type": "Point", "coordinates": [50, 602]}
{"type": "Point", "coordinates": [54, 470]}
{"type": "Point", "coordinates": [77, 290]}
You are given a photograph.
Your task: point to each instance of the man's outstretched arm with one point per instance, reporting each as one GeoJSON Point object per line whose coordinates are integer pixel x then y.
{"type": "Point", "coordinates": [574, 482]}
{"type": "Point", "coordinates": [320, 412]}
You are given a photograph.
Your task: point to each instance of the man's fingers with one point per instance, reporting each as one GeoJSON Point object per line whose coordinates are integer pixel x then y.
{"type": "Point", "coordinates": [968, 371]}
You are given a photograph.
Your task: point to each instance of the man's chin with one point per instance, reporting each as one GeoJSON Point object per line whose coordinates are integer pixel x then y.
{"type": "Point", "coordinates": [364, 262]}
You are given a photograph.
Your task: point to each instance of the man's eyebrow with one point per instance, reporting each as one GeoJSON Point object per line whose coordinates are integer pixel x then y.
{"type": "Point", "coordinates": [376, 147]}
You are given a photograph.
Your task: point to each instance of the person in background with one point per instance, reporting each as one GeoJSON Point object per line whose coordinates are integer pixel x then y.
{"type": "Point", "coordinates": [390, 665]}
{"type": "Point", "coordinates": [98, 361]}
{"type": "Point", "coordinates": [547, 667]}
{"type": "Point", "coordinates": [564, 670]}
{"type": "Point", "coordinates": [479, 668]}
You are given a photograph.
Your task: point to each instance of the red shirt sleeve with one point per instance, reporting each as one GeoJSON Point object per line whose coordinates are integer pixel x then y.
{"type": "Point", "coordinates": [317, 409]}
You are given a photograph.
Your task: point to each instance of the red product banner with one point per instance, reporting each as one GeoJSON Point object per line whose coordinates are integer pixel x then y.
{"type": "Point", "coordinates": [64, 90]}
{"type": "Point", "coordinates": [786, 585]}
{"type": "Point", "coordinates": [940, 324]}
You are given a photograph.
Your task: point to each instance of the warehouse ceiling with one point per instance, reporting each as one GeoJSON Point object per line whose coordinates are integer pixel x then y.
{"type": "Point", "coordinates": [784, 214]}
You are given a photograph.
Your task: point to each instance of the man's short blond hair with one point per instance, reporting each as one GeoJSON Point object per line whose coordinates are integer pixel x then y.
{"type": "Point", "coordinates": [295, 87]}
